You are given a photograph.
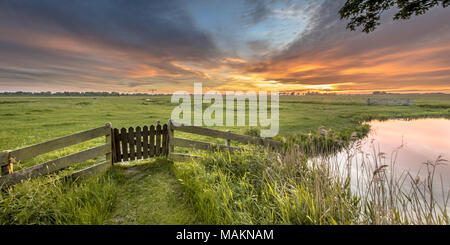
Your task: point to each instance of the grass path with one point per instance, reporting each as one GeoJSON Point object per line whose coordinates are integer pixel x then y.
{"type": "Point", "coordinates": [149, 194]}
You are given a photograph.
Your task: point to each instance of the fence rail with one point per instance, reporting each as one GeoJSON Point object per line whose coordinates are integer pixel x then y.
{"type": "Point", "coordinates": [200, 145]}
{"type": "Point", "coordinates": [8, 158]}
{"type": "Point", "coordinates": [120, 146]}
{"type": "Point", "coordinates": [225, 135]}
{"type": "Point", "coordinates": [73, 139]}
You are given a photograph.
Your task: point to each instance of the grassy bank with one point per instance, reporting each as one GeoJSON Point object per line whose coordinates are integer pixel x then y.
{"type": "Point", "coordinates": [48, 200]}
{"type": "Point", "coordinates": [261, 188]}
{"type": "Point", "coordinates": [244, 188]}
{"type": "Point", "coordinates": [248, 188]}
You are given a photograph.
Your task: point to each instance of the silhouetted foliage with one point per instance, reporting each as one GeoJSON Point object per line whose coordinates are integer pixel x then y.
{"type": "Point", "coordinates": [366, 13]}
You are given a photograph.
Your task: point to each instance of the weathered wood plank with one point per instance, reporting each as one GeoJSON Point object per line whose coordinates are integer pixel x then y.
{"type": "Point", "coordinates": [124, 140]}
{"type": "Point", "coordinates": [170, 135]}
{"type": "Point", "coordinates": [182, 157]}
{"type": "Point", "coordinates": [54, 165]}
{"type": "Point", "coordinates": [165, 146]}
{"type": "Point", "coordinates": [158, 140]}
{"type": "Point", "coordinates": [108, 140]}
{"type": "Point", "coordinates": [4, 162]}
{"type": "Point", "coordinates": [4, 158]}
{"type": "Point", "coordinates": [131, 143]}
{"type": "Point", "coordinates": [225, 135]}
{"type": "Point", "coordinates": [118, 154]}
{"type": "Point", "coordinates": [152, 141]}
{"type": "Point", "coordinates": [145, 142]}
{"type": "Point", "coordinates": [138, 143]}
{"type": "Point", "coordinates": [98, 168]}
{"type": "Point", "coordinates": [45, 147]}
{"type": "Point", "coordinates": [200, 145]}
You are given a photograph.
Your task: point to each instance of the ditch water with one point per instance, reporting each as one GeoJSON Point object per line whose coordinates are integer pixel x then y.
{"type": "Point", "coordinates": [411, 143]}
{"type": "Point", "coordinates": [404, 146]}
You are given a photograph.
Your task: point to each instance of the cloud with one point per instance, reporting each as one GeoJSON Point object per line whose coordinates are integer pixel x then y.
{"type": "Point", "coordinates": [138, 45]}
{"type": "Point", "coordinates": [399, 54]}
{"type": "Point", "coordinates": [256, 11]}
{"type": "Point", "coordinates": [156, 28]}
{"type": "Point", "coordinates": [259, 46]}
{"type": "Point", "coordinates": [119, 35]}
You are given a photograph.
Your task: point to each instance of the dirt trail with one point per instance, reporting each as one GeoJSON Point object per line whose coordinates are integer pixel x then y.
{"type": "Point", "coordinates": [149, 194]}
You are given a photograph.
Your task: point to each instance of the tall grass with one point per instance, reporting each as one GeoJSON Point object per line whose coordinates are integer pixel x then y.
{"type": "Point", "coordinates": [392, 197]}
{"type": "Point", "coordinates": [325, 142]}
{"type": "Point", "coordinates": [263, 187]}
{"type": "Point", "coordinates": [255, 187]}
{"type": "Point", "coordinates": [51, 201]}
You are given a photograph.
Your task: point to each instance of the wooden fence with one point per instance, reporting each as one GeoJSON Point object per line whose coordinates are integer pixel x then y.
{"type": "Point", "coordinates": [120, 146]}
{"type": "Point", "coordinates": [200, 145]}
{"type": "Point", "coordinates": [140, 143]}
{"type": "Point", "coordinates": [8, 158]}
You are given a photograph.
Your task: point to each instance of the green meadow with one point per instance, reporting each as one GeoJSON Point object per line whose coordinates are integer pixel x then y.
{"type": "Point", "coordinates": [242, 188]}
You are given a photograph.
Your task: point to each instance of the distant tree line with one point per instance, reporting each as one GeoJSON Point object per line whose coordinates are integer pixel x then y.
{"type": "Point", "coordinates": [74, 94]}
{"type": "Point", "coordinates": [309, 93]}
{"type": "Point", "coordinates": [380, 92]}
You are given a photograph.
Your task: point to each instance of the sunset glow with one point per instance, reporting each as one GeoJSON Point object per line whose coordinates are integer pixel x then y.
{"type": "Point", "coordinates": [239, 45]}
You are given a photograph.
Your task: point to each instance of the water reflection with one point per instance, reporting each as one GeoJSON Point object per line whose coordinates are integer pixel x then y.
{"type": "Point", "coordinates": [420, 140]}
{"type": "Point", "coordinates": [405, 145]}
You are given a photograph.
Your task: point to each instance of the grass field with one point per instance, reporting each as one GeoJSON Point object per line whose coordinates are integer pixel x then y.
{"type": "Point", "coordinates": [121, 196]}
{"type": "Point", "coordinates": [29, 120]}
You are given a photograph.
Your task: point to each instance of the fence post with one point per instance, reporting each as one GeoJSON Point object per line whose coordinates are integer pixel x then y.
{"type": "Point", "coordinates": [5, 162]}
{"type": "Point", "coordinates": [171, 136]}
{"type": "Point", "coordinates": [228, 141]}
{"type": "Point", "coordinates": [108, 139]}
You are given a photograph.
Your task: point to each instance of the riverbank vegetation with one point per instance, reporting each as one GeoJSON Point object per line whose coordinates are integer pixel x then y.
{"type": "Point", "coordinates": [259, 187]}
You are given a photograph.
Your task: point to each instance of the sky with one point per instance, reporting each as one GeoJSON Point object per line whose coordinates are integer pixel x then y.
{"type": "Point", "coordinates": [165, 46]}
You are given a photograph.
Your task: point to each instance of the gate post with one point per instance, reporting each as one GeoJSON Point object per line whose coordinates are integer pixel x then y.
{"type": "Point", "coordinates": [108, 139]}
{"type": "Point", "coordinates": [171, 136]}
{"type": "Point", "coordinates": [5, 163]}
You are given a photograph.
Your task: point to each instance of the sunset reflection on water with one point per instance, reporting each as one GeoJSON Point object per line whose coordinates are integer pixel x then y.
{"type": "Point", "coordinates": [422, 140]}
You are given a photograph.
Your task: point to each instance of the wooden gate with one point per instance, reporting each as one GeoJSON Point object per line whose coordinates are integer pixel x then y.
{"type": "Point", "coordinates": [140, 143]}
